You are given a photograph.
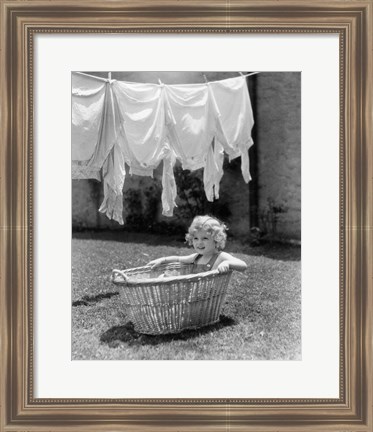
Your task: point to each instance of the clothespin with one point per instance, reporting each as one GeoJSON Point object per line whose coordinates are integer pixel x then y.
{"type": "Point", "coordinates": [109, 75]}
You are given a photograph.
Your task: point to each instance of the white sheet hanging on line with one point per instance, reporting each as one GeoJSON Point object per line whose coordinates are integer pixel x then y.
{"type": "Point", "coordinates": [143, 124]}
{"type": "Point", "coordinates": [235, 119]}
{"type": "Point", "coordinates": [193, 125]}
{"type": "Point", "coordinates": [113, 170]}
{"type": "Point", "coordinates": [144, 139]}
{"type": "Point", "coordinates": [95, 147]}
{"type": "Point", "coordinates": [88, 97]}
{"type": "Point", "coordinates": [94, 129]}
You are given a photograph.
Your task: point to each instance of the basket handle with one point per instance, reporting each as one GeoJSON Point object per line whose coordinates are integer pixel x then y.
{"type": "Point", "coordinates": [117, 274]}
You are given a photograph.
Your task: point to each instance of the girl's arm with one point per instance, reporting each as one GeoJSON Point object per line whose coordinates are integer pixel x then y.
{"type": "Point", "coordinates": [227, 262]}
{"type": "Point", "coordinates": [188, 259]}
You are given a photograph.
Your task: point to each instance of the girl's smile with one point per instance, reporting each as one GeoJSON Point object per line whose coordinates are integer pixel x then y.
{"type": "Point", "coordinates": [203, 243]}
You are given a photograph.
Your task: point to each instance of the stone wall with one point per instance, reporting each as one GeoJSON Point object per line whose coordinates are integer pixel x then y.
{"type": "Point", "coordinates": [278, 137]}
{"type": "Point", "coordinates": [271, 201]}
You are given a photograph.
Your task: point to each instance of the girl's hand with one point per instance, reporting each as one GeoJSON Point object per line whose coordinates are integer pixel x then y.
{"type": "Point", "coordinates": [157, 262]}
{"type": "Point", "coordinates": [223, 267]}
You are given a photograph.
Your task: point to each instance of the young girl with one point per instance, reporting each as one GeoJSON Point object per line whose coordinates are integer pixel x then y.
{"type": "Point", "coordinates": [207, 236]}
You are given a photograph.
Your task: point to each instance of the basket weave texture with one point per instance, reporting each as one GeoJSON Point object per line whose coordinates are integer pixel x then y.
{"type": "Point", "coordinates": [169, 299]}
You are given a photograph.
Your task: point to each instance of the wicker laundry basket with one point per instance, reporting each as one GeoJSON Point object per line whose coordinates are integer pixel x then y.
{"type": "Point", "coordinates": [169, 299]}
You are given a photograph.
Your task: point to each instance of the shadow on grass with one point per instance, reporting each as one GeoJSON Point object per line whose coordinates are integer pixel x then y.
{"type": "Point", "coordinates": [88, 300]}
{"type": "Point", "coordinates": [115, 335]}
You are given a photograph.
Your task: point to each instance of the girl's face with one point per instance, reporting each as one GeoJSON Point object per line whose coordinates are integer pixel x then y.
{"type": "Point", "coordinates": [203, 243]}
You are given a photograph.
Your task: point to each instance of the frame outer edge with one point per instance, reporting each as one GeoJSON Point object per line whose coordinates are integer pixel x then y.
{"type": "Point", "coordinates": [14, 219]}
{"type": "Point", "coordinates": [3, 222]}
{"type": "Point", "coordinates": [7, 222]}
{"type": "Point", "coordinates": [368, 218]}
{"type": "Point", "coordinates": [357, 224]}
{"type": "Point", "coordinates": [21, 211]}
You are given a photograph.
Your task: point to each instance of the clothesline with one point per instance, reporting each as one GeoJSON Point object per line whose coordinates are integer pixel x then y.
{"type": "Point", "coordinates": [160, 83]}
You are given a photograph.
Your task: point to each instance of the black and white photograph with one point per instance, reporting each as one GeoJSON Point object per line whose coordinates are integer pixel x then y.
{"type": "Point", "coordinates": [186, 215]}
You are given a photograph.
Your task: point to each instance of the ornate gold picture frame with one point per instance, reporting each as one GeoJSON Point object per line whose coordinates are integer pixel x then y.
{"type": "Point", "coordinates": [21, 21]}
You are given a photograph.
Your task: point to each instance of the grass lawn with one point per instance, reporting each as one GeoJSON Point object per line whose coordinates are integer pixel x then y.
{"type": "Point", "coordinates": [261, 319]}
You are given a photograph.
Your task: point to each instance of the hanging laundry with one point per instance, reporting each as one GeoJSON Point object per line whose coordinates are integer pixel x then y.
{"type": "Point", "coordinates": [142, 118]}
{"type": "Point", "coordinates": [236, 120]}
{"type": "Point", "coordinates": [95, 148]}
{"type": "Point", "coordinates": [168, 183]}
{"type": "Point", "coordinates": [213, 171]}
{"type": "Point", "coordinates": [144, 135]}
{"type": "Point", "coordinates": [117, 123]}
{"type": "Point", "coordinates": [88, 105]}
{"type": "Point", "coordinates": [113, 169]}
{"type": "Point", "coordinates": [193, 124]}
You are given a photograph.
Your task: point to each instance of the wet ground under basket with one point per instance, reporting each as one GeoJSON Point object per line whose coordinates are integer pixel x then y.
{"type": "Point", "coordinates": [260, 320]}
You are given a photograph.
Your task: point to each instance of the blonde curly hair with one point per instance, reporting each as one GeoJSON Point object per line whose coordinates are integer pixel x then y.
{"type": "Point", "coordinates": [212, 226]}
